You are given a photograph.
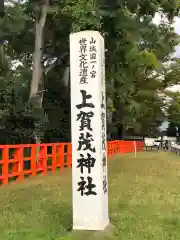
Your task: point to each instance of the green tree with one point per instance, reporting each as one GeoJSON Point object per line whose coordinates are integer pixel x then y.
{"type": "Point", "coordinates": [137, 49]}
{"type": "Point", "coordinates": [173, 113]}
{"type": "Point", "coordinates": [173, 110]}
{"type": "Point", "coordinates": [13, 128]}
{"type": "Point", "coordinates": [136, 52]}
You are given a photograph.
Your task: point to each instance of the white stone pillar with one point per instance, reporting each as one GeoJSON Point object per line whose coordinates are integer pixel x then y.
{"type": "Point", "coordinates": [88, 131]}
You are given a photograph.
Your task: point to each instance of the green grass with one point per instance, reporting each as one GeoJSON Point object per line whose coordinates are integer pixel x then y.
{"type": "Point", "coordinates": [144, 202]}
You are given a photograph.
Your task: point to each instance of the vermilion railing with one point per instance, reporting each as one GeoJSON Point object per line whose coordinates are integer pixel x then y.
{"type": "Point", "coordinates": [19, 161]}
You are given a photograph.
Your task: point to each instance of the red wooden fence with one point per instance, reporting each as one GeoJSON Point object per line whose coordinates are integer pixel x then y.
{"type": "Point", "coordinates": [19, 161]}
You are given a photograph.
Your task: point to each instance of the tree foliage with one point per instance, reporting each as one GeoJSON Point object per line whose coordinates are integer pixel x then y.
{"type": "Point", "coordinates": [136, 70]}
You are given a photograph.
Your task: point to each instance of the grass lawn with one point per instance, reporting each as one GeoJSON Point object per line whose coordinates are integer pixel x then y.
{"type": "Point", "coordinates": [144, 202]}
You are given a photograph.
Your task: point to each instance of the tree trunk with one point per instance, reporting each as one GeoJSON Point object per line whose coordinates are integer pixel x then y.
{"type": "Point", "coordinates": [66, 76]}
{"type": "Point", "coordinates": [36, 91]}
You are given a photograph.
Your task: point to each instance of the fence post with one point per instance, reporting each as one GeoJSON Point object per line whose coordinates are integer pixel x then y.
{"type": "Point", "coordinates": [113, 148]}
{"type": "Point", "coordinates": [135, 148]}
{"type": "Point", "coordinates": [20, 163]}
{"type": "Point", "coordinates": [54, 158]}
{"type": "Point", "coordinates": [69, 155]}
{"type": "Point", "coordinates": [5, 165]}
{"type": "Point", "coordinates": [43, 159]}
{"type": "Point", "coordinates": [60, 156]}
{"type": "Point", "coordinates": [33, 159]}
